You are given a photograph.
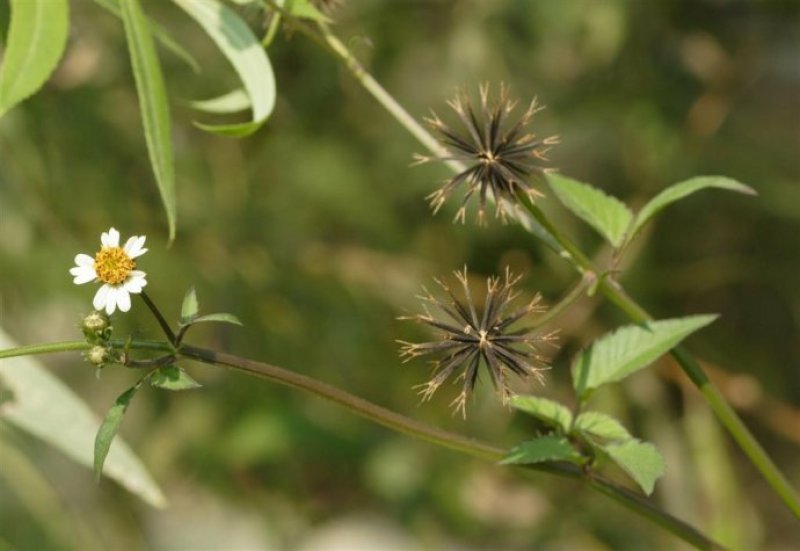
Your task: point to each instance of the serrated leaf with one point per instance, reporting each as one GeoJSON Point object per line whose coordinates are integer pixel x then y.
{"type": "Point", "coordinates": [545, 448]}
{"type": "Point", "coordinates": [237, 42]}
{"type": "Point", "coordinates": [160, 34]}
{"type": "Point", "coordinates": [37, 36]}
{"type": "Point", "coordinates": [46, 408]}
{"type": "Point", "coordinates": [680, 190]}
{"type": "Point", "coordinates": [153, 104]}
{"type": "Point", "coordinates": [221, 318]}
{"type": "Point", "coordinates": [606, 214]}
{"type": "Point", "coordinates": [601, 425]}
{"type": "Point", "coordinates": [641, 460]}
{"type": "Point", "coordinates": [109, 427]}
{"type": "Point", "coordinates": [628, 349]}
{"type": "Point", "coordinates": [232, 102]}
{"type": "Point", "coordinates": [190, 306]}
{"type": "Point", "coordinates": [172, 377]}
{"type": "Point", "coordinates": [547, 411]}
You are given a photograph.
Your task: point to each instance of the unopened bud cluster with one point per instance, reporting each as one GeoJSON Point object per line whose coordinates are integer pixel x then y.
{"type": "Point", "coordinates": [97, 329]}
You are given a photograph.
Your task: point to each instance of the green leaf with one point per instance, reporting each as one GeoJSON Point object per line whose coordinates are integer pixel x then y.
{"type": "Point", "coordinates": [160, 34]}
{"type": "Point", "coordinates": [109, 427]}
{"type": "Point", "coordinates": [547, 411]}
{"type": "Point", "coordinates": [545, 448]}
{"type": "Point", "coordinates": [641, 460]}
{"type": "Point", "coordinates": [221, 318]}
{"type": "Point", "coordinates": [234, 38]}
{"type": "Point", "coordinates": [594, 423]}
{"type": "Point", "coordinates": [37, 36]}
{"type": "Point", "coordinates": [606, 214]}
{"type": "Point", "coordinates": [172, 377]}
{"type": "Point", "coordinates": [304, 9]}
{"type": "Point", "coordinates": [232, 102]}
{"type": "Point", "coordinates": [628, 349]}
{"type": "Point", "coordinates": [190, 306]}
{"type": "Point", "coordinates": [680, 190]}
{"type": "Point", "coordinates": [153, 103]}
{"type": "Point", "coordinates": [46, 408]}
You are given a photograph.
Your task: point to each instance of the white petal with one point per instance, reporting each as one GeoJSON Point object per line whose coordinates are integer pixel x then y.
{"type": "Point", "coordinates": [84, 260]}
{"type": "Point", "coordinates": [123, 300]}
{"type": "Point", "coordinates": [101, 297]}
{"type": "Point", "coordinates": [134, 246]}
{"type": "Point", "coordinates": [83, 275]}
{"type": "Point", "coordinates": [134, 285]}
{"type": "Point", "coordinates": [110, 239]}
{"type": "Point", "coordinates": [111, 300]}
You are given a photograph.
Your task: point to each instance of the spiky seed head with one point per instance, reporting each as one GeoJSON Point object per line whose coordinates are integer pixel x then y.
{"type": "Point", "coordinates": [501, 156]}
{"type": "Point", "coordinates": [470, 338]}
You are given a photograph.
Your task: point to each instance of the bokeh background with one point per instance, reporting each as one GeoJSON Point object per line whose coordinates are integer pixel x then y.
{"type": "Point", "coordinates": [315, 232]}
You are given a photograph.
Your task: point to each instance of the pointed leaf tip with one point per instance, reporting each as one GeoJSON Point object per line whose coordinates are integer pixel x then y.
{"type": "Point", "coordinates": [189, 307]}
{"type": "Point", "coordinates": [109, 427]}
{"type": "Point", "coordinates": [153, 104]}
{"type": "Point", "coordinates": [630, 348]}
{"type": "Point", "coordinates": [606, 214]}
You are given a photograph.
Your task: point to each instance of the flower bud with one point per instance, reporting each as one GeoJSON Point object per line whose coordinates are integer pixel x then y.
{"type": "Point", "coordinates": [96, 327]}
{"type": "Point", "coordinates": [97, 355]}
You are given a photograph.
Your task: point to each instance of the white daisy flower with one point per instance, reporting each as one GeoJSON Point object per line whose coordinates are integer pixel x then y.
{"type": "Point", "coordinates": [115, 267]}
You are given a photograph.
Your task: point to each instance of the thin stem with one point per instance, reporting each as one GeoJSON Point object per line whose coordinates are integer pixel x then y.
{"type": "Point", "coordinates": [574, 294]}
{"type": "Point", "coordinates": [726, 415]}
{"type": "Point", "coordinates": [274, 25]}
{"type": "Point", "coordinates": [161, 321]}
{"type": "Point", "coordinates": [405, 425]}
{"type": "Point", "coordinates": [72, 346]}
{"type": "Point", "coordinates": [610, 288]}
{"type": "Point", "coordinates": [469, 446]}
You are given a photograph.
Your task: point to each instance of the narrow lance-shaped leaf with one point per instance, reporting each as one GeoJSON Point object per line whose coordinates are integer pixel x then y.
{"type": "Point", "coordinates": [159, 33]}
{"type": "Point", "coordinates": [545, 448]}
{"type": "Point", "coordinates": [547, 411]}
{"type": "Point", "coordinates": [232, 102]}
{"type": "Point", "coordinates": [606, 214]}
{"type": "Point", "coordinates": [221, 318]}
{"type": "Point", "coordinates": [682, 189]}
{"type": "Point", "coordinates": [641, 460]}
{"type": "Point", "coordinates": [628, 349]}
{"type": "Point", "coordinates": [109, 427]}
{"type": "Point", "coordinates": [37, 37]}
{"type": "Point", "coordinates": [47, 409]}
{"type": "Point", "coordinates": [237, 42]}
{"type": "Point", "coordinates": [190, 306]}
{"type": "Point", "coordinates": [153, 104]}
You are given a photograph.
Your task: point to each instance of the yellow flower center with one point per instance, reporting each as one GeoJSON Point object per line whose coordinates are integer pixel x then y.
{"type": "Point", "coordinates": [113, 265]}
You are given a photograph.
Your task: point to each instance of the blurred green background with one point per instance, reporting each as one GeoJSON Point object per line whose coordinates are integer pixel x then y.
{"type": "Point", "coordinates": [316, 234]}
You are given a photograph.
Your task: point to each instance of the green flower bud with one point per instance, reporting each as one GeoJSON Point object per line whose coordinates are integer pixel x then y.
{"type": "Point", "coordinates": [96, 327]}
{"type": "Point", "coordinates": [97, 355]}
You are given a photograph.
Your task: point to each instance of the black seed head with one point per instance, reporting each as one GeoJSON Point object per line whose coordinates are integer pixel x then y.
{"type": "Point", "coordinates": [500, 155]}
{"type": "Point", "coordinates": [470, 338]}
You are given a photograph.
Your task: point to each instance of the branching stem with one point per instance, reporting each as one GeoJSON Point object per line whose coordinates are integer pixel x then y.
{"type": "Point", "coordinates": [402, 424]}
{"type": "Point", "coordinates": [610, 288]}
{"type": "Point", "coordinates": [159, 318]}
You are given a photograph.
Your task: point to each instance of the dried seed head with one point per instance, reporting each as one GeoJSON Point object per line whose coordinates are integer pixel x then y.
{"type": "Point", "coordinates": [470, 338]}
{"type": "Point", "coordinates": [500, 155]}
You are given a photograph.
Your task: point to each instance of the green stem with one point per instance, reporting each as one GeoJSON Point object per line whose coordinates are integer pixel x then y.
{"type": "Point", "coordinates": [610, 288]}
{"type": "Point", "coordinates": [716, 401]}
{"type": "Point", "coordinates": [402, 424]}
{"type": "Point", "coordinates": [72, 346]}
{"type": "Point", "coordinates": [577, 291]}
{"type": "Point", "coordinates": [159, 318]}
